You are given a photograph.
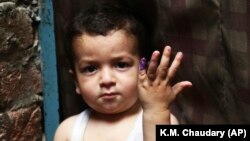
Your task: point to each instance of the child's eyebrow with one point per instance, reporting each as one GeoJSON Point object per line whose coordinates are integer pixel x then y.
{"type": "Point", "coordinates": [86, 60]}
{"type": "Point", "coordinates": [120, 58]}
{"type": "Point", "coordinates": [122, 55]}
{"type": "Point", "coordinates": [113, 57]}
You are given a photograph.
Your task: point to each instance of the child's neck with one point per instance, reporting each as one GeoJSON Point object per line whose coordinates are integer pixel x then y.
{"type": "Point", "coordinates": [116, 117]}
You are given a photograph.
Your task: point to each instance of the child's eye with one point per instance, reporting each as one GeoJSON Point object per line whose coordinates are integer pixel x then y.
{"type": "Point", "coordinates": [89, 69]}
{"type": "Point", "coordinates": [122, 65]}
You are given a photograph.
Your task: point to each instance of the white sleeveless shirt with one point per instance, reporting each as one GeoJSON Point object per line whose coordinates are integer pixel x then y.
{"type": "Point", "coordinates": [82, 120]}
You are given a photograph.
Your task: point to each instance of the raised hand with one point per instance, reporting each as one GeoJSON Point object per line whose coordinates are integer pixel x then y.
{"type": "Point", "coordinates": [156, 91]}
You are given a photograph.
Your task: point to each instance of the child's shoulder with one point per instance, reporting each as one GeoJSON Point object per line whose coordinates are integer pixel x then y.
{"type": "Point", "coordinates": [64, 130]}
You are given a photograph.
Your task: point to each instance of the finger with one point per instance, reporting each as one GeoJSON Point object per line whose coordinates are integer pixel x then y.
{"type": "Point", "coordinates": [142, 72]}
{"type": "Point", "coordinates": [163, 66]}
{"type": "Point", "coordinates": [152, 67]}
{"type": "Point", "coordinates": [174, 66]}
{"type": "Point", "coordinates": [143, 63]}
{"type": "Point", "coordinates": [179, 87]}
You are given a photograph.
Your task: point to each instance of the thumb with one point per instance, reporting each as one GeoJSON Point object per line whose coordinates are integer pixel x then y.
{"type": "Point", "coordinates": [179, 87]}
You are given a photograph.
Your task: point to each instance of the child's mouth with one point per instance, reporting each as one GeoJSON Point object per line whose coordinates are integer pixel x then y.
{"type": "Point", "coordinates": [109, 96]}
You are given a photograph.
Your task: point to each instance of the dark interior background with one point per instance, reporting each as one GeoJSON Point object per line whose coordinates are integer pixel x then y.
{"type": "Point", "coordinates": [212, 34]}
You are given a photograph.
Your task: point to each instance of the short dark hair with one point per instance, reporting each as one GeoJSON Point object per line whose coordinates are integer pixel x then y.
{"type": "Point", "coordinates": [102, 18]}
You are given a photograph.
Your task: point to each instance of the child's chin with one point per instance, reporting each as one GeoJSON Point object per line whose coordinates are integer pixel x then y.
{"type": "Point", "coordinates": [108, 111]}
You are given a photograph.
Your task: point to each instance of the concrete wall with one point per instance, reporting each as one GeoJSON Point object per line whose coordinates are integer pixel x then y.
{"type": "Point", "coordinates": [20, 72]}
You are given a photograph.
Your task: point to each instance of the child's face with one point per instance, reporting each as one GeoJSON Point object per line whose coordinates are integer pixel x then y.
{"type": "Point", "coordinates": [106, 70]}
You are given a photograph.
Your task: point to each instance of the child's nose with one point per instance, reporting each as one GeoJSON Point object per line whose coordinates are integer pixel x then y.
{"type": "Point", "coordinates": [107, 77]}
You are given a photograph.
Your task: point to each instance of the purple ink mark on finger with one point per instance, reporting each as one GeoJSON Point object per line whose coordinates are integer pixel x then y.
{"type": "Point", "coordinates": [143, 63]}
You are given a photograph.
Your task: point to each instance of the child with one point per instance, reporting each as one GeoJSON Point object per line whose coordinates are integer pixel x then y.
{"type": "Point", "coordinates": [126, 98]}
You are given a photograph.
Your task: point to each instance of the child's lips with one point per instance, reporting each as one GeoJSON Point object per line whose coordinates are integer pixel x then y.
{"type": "Point", "coordinates": [109, 95]}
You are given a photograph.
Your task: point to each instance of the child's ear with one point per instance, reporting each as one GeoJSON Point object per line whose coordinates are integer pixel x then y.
{"type": "Point", "coordinates": [75, 80]}
{"type": "Point", "coordinates": [78, 90]}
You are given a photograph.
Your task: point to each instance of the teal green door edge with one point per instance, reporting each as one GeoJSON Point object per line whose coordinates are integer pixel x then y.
{"type": "Point", "coordinates": [49, 68]}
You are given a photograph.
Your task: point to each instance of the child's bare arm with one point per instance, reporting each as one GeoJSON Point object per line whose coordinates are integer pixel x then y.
{"type": "Point", "coordinates": [64, 131]}
{"type": "Point", "coordinates": [157, 92]}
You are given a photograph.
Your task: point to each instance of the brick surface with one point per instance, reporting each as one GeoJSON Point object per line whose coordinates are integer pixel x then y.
{"type": "Point", "coordinates": [20, 75]}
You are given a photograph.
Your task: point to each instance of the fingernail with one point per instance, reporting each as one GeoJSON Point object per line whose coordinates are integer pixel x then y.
{"type": "Point", "coordinates": [168, 48]}
{"type": "Point", "coordinates": [142, 63]}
